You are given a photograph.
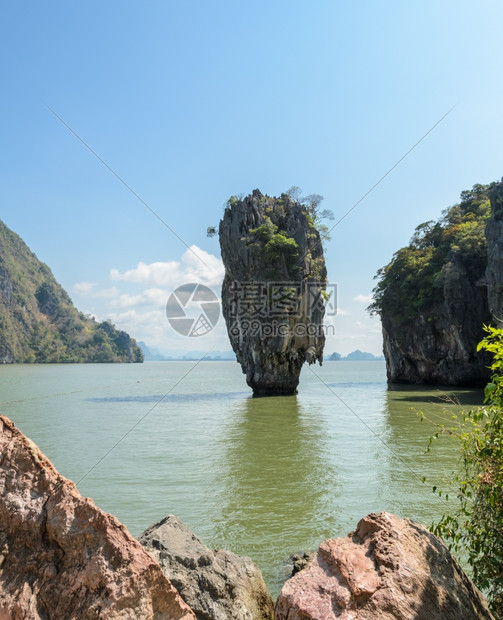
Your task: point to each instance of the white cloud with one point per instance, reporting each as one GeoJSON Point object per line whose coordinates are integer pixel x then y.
{"type": "Point", "coordinates": [154, 329]}
{"type": "Point", "coordinates": [88, 289]}
{"type": "Point", "coordinates": [364, 299]}
{"type": "Point", "coordinates": [148, 326]}
{"type": "Point", "coordinates": [150, 296]}
{"type": "Point", "coordinates": [132, 317]}
{"type": "Point", "coordinates": [137, 305]}
{"type": "Point", "coordinates": [342, 312]}
{"type": "Point", "coordinates": [355, 330]}
{"type": "Point", "coordinates": [196, 265]}
{"type": "Point", "coordinates": [154, 273]}
{"type": "Point", "coordinates": [84, 288]}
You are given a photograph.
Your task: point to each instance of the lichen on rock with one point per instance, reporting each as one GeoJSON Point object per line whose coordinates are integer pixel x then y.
{"type": "Point", "coordinates": [274, 289]}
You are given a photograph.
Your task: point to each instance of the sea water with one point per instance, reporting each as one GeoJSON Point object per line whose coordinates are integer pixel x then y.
{"type": "Point", "coordinates": [263, 477]}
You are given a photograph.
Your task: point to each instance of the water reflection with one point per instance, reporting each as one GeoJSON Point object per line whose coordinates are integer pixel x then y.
{"type": "Point", "coordinates": [276, 485]}
{"type": "Point", "coordinates": [169, 398]}
{"type": "Point", "coordinates": [409, 462]}
{"type": "Point", "coordinates": [440, 395]}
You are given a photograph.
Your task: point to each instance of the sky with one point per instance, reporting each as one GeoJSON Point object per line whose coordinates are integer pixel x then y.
{"type": "Point", "coordinates": [168, 108]}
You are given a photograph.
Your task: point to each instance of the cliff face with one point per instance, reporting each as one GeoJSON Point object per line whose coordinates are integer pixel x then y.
{"type": "Point", "coordinates": [38, 321]}
{"type": "Point", "coordinates": [273, 291]}
{"type": "Point", "coordinates": [433, 297]}
{"type": "Point", "coordinates": [494, 270]}
{"type": "Point", "coordinates": [440, 347]}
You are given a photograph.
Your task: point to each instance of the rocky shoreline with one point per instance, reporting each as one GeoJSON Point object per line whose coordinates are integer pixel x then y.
{"type": "Point", "coordinates": [63, 557]}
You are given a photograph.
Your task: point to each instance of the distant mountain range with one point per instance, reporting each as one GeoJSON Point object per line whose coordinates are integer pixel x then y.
{"type": "Point", "coordinates": [38, 321]}
{"type": "Point", "coordinates": [154, 355]}
{"type": "Point", "coordinates": [355, 356]}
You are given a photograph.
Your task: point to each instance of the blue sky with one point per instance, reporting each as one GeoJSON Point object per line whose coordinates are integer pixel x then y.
{"type": "Point", "coordinates": [191, 102]}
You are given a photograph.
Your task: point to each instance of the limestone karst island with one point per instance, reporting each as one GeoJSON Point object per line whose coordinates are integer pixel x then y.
{"type": "Point", "coordinates": [273, 290]}
{"type": "Point", "coordinates": [436, 294]}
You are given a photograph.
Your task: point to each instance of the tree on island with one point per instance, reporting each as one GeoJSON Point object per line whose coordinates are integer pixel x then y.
{"type": "Point", "coordinates": [310, 203]}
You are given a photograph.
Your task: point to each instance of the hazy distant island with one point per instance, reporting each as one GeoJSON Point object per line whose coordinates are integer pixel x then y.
{"type": "Point", "coordinates": [151, 354]}
{"type": "Point", "coordinates": [38, 321]}
{"type": "Point", "coordinates": [355, 356]}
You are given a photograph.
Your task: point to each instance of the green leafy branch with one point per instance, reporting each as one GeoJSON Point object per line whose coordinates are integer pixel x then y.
{"type": "Point", "coordinates": [475, 527]}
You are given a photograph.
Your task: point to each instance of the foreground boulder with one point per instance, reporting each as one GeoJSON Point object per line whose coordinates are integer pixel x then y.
{"type": "Point", "coordinates": [274, 289]}
{"type": "Point", "coordinates": [218, 585]}
{"type": "Point", "coordinates": [61, 556]}
{"type": "Point", "coordinates": [389, 569]}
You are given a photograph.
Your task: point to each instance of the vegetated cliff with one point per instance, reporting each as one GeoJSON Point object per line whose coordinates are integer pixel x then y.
{"type": "Point", "coordinates": [433, 299]}
{"type": "Point", "coordinates": [38, 321]}
{"type": "Point", "coordinates": [494, 270]}
{"type": "Point", "coordinates": [274, 289]}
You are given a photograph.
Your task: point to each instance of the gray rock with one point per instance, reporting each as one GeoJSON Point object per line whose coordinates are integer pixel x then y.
{"type": "Point", "coordinates": [436, 341]}
{"type": "Point", "coordinates": [272, 294]}
{"type": "Point", "coordinates": [217, 585]}
{"type": "Point", "coordinates": [299, 562]}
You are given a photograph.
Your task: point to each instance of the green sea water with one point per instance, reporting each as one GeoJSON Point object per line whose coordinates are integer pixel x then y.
{"type": "Point", "coordinates": [263, 477]}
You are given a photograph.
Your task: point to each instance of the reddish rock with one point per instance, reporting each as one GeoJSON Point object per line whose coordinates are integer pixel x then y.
{"type": "Point", "coordinates": [61, 557]}
{"type": "Point", "coordinates": [389, 569]}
